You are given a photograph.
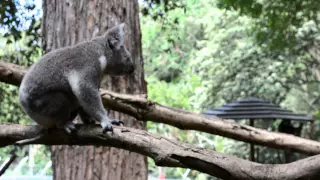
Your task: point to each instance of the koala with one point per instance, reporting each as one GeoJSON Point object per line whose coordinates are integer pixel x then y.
{"type": "Point", "coordinates": [65, 82]}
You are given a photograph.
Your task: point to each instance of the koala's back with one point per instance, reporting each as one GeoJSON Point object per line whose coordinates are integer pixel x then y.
{"type": "Point", "coordinates": [50, 72]}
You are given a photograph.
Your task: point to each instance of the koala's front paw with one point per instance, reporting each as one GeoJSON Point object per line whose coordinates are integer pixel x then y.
{"type": "Point", "coordinates": [106, 126]}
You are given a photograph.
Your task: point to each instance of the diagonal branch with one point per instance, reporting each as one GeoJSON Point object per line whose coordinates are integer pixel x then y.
{"type": "Point", "coordinates": [7, 164]}
{"type": "Point", "coordinates": [143, 109]}
{"type": "Point", "coordinates": [168, 152]}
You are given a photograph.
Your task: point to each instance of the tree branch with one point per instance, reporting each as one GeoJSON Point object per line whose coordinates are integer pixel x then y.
{"type": "Point", "coordinates": [167, 152]}
{"type": "Point", "coordinates": [7, 163]}
{"type": "Point", "coordinates": [143, 109]}
{"type": "Point", "coordinates": [11, 73]}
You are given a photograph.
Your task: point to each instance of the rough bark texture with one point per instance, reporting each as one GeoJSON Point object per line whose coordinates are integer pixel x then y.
{"type": "Point", "coordinates": [168, 152]}
{"type": "Point", "coordinates": [72, 21]}
{"type": "Point", "coordinates": [143, 109]}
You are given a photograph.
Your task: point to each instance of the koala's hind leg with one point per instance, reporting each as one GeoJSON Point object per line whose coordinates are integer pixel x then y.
{"type": "Point", "coordinates": [87, 93]}
{"type": "Point", "coordinates": [51, 110]}
{"type": "Point", "coordinates": [85, 117]}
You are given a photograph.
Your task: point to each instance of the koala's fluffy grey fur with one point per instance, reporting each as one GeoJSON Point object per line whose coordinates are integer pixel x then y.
{"type": "Point", "coordinates": [65, 82]}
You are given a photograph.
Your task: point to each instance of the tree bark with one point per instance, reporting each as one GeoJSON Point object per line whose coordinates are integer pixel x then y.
{"type": "Point", "coordinates": [143, 109]}
{"type": "Point", "coordinates": [169, 152]}
{"type": "Point", "coordinates": [72, 21]}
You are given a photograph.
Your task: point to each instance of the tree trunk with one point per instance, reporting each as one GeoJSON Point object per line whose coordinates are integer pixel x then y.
{"type": "Point", "coordinates": [67, 23]}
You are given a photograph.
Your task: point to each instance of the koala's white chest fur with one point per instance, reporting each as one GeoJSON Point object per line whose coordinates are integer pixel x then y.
{"type": "Point", "coordinates": [103, 65]}
{"type": "Point", "coordinates": [74, 78]}
{"type": "Point", "coordinates": [103, 62]}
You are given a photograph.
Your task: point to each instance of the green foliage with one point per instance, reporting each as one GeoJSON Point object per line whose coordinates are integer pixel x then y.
{"type": "Point", "coordinates": [24, 165]}
{"type": "Point", "coordinates": [161, 9]}
{"type": "Point", "coordinates": [289, 26]}
{"type": "Point", "coordinates": [20, 45]}
{"type": "Point", "coordinates": [277, 22]}
{"type": "Point", "coordinates": [232, 65]}
{"type": "Point", "coordinates": [10, 105]}
{"type": "Point", "coordinates": [20, 25]}
{"type": "Point", "coordinates": [230, 59]}
{"type": "Point", "coordinates": [167, 45]}
{"type": "Point", "coordinates": [173, 94]}
{"type": "Point", "coordinates": [167, 48]}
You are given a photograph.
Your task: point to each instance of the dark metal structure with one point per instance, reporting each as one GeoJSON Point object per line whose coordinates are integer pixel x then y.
{"type": "Point", "coordinates": [254, 108]}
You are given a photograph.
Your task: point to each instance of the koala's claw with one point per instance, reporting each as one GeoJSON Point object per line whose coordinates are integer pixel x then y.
{"type": "Point", "coordinates": [107, 127]}
{"type": "Point", "coordinates": [69, 128]}
{"type": "Point", "coordinates": [117, 122]}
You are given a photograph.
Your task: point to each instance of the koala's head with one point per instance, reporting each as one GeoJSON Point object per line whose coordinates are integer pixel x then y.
{"type": "Point", "coordinates": [119, 60]}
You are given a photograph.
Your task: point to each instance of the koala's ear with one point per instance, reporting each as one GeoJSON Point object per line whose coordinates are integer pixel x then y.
{"type": "Point", "coordinates": [115, 36]}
